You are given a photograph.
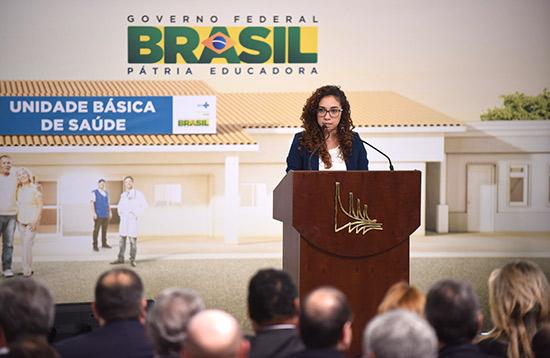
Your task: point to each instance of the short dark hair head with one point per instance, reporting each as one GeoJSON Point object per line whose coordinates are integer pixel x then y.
{"type": "Point", "coordinates": [324, 313]}
{"type": "Point", "coordinates": [119, 295]}
{"type": "Point", "coordinates": [101, 181]}
{"type": "Point", "coordinates": [26, 308]}
{"type": "Point", "coordinates": [271, 296]}
{"type": "Point", "coordinates": [452, 308]}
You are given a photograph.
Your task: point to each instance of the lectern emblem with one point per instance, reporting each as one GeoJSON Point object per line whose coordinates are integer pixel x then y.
{"type": "Point", "coordinates": [359, 222]}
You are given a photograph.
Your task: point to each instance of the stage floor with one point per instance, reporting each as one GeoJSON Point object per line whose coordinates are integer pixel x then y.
{"type": "Point", "coordinates": [50, 247]}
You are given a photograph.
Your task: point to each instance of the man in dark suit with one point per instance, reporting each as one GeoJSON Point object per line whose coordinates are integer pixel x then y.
{"type": "Point", "coordinates": [273, 308]}
{"type": "Point", "coordinates": [26, 311]}
{"type": "Point", "coordinates": [120, 310]}
{"type": "Point", "coordinates": [325, 324]}
{"type": "Point", "coordinates": [452, 308]}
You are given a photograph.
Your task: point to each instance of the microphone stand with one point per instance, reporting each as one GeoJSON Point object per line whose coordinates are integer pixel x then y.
{"type": "Point", "coordinates": [379, 151]}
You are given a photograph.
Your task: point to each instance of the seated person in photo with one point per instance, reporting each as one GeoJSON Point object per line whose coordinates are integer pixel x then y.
{"type": "Point", "coordinates": [119, 307]}
{"type": "Point", "coordinates": [325, 324]}
{"type": "Point", "coordinates": [273, 307]}
{"type": "Point", "coordinates": [452, 308]}
{"type": "Point", "coordinates": [26, 311]}
{"type": "Point", "coordinates": [399, 333]}
{"type": "Point", "coordinates": [401, 295]}
{"type": "Point", "coordinates": [167, 321]}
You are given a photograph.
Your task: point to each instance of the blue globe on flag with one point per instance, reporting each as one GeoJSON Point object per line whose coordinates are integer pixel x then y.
{"type": "Point", "coordinates": [219, 42]}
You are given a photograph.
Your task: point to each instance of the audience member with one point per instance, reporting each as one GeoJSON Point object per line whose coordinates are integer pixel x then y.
{"type": "Point", "coordinates": [26, 309]}
{"type": "Point", "coordinates": [325, 323]}
{"type": "Point", "coordinates": [401, 295]}
{"type": "Point", "coordinates": [399, 334]}
{"type": "Point", "coordinates": [120, 310]}
{"type": "Point", "coordinates": [273, 307]}
{"type": "Point", "coordinates": [519, 297]}
{"type": "Point", "coordinates": [541, 342]}
{"type": "Point", "coordinates": [32, 347]}
{"type": "Point", "coordinates": [214, 334]}
{"type": "Point", "coordinates": [452, 308]}
{"type": "Point", "coordinates": [167, 321]}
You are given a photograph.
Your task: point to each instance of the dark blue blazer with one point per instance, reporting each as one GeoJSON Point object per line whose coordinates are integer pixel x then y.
{"type": "Point", "coordinates": [299, 159]}
{"type": "Point", "coordinates": [116, 339]}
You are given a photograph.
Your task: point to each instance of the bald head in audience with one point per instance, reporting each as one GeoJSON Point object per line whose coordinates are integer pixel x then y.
{"type": "Point", "coordinates": [325, 320]}
{"type": "Point", "coordinates": [214, 334]}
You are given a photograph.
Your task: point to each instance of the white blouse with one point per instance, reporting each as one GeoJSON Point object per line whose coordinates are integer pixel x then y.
{"type": "Point", "coordinates": [28, 197]}
{"type": "Point", "coordinates": [338, 162]}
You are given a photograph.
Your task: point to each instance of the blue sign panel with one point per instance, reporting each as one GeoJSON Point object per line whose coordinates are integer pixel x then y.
{"type": "Point", "coordinates": [86, 115]}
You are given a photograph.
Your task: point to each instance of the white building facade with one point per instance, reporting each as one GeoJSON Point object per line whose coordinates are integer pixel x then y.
{"type": "Point", "coordinates": [498, 176]}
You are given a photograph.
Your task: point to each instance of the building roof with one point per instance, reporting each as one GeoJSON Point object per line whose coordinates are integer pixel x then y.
{"type": "Point", "coordinates": [226, 135]}
{"type": "Point", "coordinates": [236, 112]}
{"type": "Point", "coordinates": [105, 88]}
{"type": "Point", "coordinates": [368, 109]}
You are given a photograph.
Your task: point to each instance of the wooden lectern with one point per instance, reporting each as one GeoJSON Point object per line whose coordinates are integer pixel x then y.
{"type": "Point", "coordinates": [350, 230]}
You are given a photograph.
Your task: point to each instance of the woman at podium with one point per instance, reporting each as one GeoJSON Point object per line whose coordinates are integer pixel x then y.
{"type": "Point", "coordinates": [328, 141]}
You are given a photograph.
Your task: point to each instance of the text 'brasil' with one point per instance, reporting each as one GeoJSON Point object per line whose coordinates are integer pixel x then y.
{"type": "Point", "coordinates": [219, 44]}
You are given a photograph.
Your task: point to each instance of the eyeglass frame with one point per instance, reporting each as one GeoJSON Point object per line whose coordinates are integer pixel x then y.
{"type": "Point", "coordinates": [329, 111]}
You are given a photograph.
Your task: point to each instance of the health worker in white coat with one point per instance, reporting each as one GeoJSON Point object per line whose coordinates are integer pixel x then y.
{"type": "Point", "coordinates": [131, 205]}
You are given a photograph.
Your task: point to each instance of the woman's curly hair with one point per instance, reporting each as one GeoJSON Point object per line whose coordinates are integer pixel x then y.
{"type": "Point", "coordinates": [314, 137]}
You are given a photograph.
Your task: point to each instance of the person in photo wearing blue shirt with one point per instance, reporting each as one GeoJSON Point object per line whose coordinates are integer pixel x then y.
{"type": "Point", "coordinates": [99, 202]}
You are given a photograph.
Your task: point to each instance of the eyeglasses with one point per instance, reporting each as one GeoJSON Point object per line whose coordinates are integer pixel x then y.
{"type": "Point", "coordinates": [333, 112]}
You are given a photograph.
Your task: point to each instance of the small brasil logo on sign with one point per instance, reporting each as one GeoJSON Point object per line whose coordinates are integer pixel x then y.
{"type": "Point", "coordinates": [80, 115]}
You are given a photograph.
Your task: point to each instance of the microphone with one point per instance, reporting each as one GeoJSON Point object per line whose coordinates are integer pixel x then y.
{"type": "Point", "coordinates": [325, 137]}
{"type": "Point", "coordinates": [379, 151]}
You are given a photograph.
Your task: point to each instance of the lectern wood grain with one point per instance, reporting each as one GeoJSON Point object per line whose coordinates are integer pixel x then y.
{"type": "Point", "coordinates": [331, 238]}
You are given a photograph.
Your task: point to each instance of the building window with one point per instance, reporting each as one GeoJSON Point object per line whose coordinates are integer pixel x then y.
{"type": "Point", "coordinates": [48, 220]}
{"type": "Point", "coordinates": [253, 194]}
{"type": "Point", "coordinates": [518, 178]}
{"type": "Point", "coordinates": [167, 194]}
